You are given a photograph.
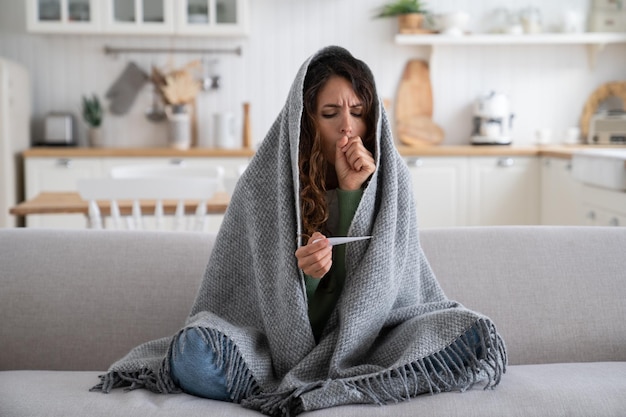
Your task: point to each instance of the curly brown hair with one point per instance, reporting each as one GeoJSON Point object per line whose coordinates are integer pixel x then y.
{"type": "Point", "coordinates": [312, 164]}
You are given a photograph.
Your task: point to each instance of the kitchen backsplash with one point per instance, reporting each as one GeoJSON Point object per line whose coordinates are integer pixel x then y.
{"type": "Point", "coordinates": [547, 84]}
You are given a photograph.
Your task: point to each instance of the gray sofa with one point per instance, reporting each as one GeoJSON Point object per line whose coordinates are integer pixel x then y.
{"type": "Point", "coordinates": [69, 307]}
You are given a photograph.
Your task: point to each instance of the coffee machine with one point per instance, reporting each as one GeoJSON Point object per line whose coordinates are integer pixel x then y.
{"type": "Point", "coordinates": [492, 120]}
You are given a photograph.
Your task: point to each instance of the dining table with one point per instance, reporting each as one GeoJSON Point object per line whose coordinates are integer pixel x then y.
{"type": "Point", "coordinates": [70, 202]}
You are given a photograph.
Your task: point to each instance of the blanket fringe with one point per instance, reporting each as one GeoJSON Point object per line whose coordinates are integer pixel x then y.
{"type": "Point", "coordinates": [240, 382]}
{"type": "Point", "coordinates": [459, 366]}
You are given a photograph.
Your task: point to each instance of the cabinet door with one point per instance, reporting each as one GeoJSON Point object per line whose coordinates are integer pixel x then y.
{"type": "Point", "coordinates": [212, 17]}
{"type": "Point", "coordinates": [63, 16]}
{"type": "Point", "coordinates": [139, 16]}
{"type": "Point", "coordinates": [560, 193]}
{"type": "Point", "coordinates": [440, 190]}
{"type": "Point", "coordinates": [57, 174]}
{"type": "Point", "coordinates": [602, 207]}
{"type": "Point", "coordinates": [504, 191]}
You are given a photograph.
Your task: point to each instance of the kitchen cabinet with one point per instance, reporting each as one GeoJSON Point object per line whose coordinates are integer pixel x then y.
{"type": "Point", "coordinates": [475, 191]}
{"type": "Point", "coordinates": [560, 193]}
{"type": "Point", "coordinates": [602, 207]}
{"type": "Point", "coordinates": [440, 190]}
{"type": "Point", "coordinates": [138, 16]}
{"type": "Point", "coordinates": [57, 174]}
{"type": "Point", "coordinates": [154, 17]}
{"type": "Point", "coordinates": [217, 17]}
{"type": "Point", "coordinates": [503, 191]}
{"type": "Point", "coordinates": [63, 16]}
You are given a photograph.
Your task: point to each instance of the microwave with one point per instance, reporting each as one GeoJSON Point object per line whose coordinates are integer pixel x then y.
{"type": "Point", "coordinates": [607, 129]}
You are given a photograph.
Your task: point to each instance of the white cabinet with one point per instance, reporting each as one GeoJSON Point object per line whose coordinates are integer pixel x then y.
{"type": "Point", "coordinates": [217, 17]}
{"type": "Point", "coordinates": [440, 190]}
{"type": "Point", "coordinates": [475, 191]}
{"type": "Point", "coordinates": [602, 207]}
{"type": "Point", "coordinates": [138, 16]}
{"type": "Point", "coordinates": [560, 193]}
{"type": "Point", "coordinates": [57, 174]}
{"type": "Point", "coordinates": [154, 17]}
{"type": "Point", "coordinates": [63, 16]}
{"type": "Point", "coordinates": [503, 191]}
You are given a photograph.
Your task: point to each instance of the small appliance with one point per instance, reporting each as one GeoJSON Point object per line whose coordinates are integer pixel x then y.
{"type": "Point", "coordinates": [607, 128]}
{"type": "Point", "coordinates": [58, 130]}
{"type": "Point", "coordinates": [492, 120]}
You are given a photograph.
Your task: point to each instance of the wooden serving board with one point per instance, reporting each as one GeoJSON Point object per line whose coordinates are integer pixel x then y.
{"type": "Point", "coordinates": [414, 107]}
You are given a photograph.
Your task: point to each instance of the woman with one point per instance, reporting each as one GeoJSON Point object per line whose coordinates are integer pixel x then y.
{"type": "Point", "coordinates": [364, 322]}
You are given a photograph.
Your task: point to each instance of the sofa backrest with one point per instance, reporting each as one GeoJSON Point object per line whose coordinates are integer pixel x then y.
{"type": "Point", "coordinates": [79, 300]}
{"type": "Point", "coordinates": [556, 294]}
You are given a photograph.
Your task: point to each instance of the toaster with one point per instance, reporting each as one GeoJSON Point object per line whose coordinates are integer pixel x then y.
{"type": "Point", "coordinates": [59, 130]}
{"type": "Point", "coordinates": [608, 128]}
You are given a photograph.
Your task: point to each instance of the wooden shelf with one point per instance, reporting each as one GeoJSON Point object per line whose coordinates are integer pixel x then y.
{"type": "Point", "coordinates": [497, 39]}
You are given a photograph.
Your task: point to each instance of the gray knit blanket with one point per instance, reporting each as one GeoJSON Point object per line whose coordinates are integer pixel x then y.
{"type": "Point", "coordinates": [393, 334]}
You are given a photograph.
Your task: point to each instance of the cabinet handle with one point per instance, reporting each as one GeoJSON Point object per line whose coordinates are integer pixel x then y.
{"type": "Point", "coordinates": [614, 221]}
{"type": "Point", "coordinates": [64, 162]}
{"type": "Point", "coordinates": [547, 163]}
{"type": "Point", "coordinates": [568, 166]}
{"type": "Point", "coordinates": [591, 215]}
{"type": "Point", "coordinates": [415, 162]}
{"type": "Point", "coordinates": [177, 161]}
{"type": "Point", "coordinates": [506, 162]}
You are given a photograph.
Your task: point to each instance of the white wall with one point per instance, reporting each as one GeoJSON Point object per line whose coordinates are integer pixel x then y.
{"type": "Point", "coordinates": [548, 85]}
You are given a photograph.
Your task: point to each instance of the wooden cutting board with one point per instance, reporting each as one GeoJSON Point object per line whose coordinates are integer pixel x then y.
{"type": "Point", "coordinates": [414, 107]}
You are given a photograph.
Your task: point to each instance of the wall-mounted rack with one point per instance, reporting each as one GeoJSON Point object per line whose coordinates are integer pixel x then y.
{"type": "Point", "coordinates": [110, 50]}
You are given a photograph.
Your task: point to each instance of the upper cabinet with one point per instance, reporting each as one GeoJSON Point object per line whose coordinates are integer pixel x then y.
{"type": "Point", "coordinates": [219, 17]}
{"type": "Point", "coordinates": [138, 16]}
{"type": "Point", "coordinates": [150, 17]}
{"type": "Point", "coordinates": [63, 16]}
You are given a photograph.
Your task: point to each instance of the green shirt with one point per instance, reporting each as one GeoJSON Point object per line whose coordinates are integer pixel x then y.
{"type": "Point", "coordinates": [322, 294]}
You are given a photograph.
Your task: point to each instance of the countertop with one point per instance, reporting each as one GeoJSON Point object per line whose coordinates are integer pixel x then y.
{"type": "Point", "coordinates": [556, 151]}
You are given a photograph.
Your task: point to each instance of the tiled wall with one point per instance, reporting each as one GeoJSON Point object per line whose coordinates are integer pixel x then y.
{"type": "Point", "coordinates": [547, 84]}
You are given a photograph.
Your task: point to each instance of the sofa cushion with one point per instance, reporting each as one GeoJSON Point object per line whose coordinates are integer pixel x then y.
{"type": "Point", "coordinates": [568, 389]}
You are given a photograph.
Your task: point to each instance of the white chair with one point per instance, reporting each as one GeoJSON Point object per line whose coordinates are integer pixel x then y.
{"type": "Point", "coordinates": [158, 189]}
{"type": "Point", "coordinates": [151, 171]}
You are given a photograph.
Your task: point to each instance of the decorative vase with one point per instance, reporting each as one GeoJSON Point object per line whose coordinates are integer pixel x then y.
{"type": "Point", "coordinates": [96, 137]}
{"type": "Point", "coordinates": [179, 120]}
{"type": "Point", "coordinates": [410, 23]}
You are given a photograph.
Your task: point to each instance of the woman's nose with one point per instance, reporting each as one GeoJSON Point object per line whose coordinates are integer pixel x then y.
{"type": "Point", "coordinates": [346, 125]}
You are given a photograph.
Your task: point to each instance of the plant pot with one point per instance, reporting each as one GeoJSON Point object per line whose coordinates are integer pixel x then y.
{"type": "Point", "coordinates": [96, 137]}
{"type": "Point", "coordinates": [410, 23]}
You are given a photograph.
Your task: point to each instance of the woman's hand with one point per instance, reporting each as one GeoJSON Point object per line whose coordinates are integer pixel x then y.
{"type": "Point", "coordinates": [353, 163]}
{"type": "Point", "coordinates": [316, 258]}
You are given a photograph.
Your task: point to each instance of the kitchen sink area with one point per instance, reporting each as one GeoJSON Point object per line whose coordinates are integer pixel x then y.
{"type": "Point", "coordinates": [602, 177]}
{"type": "Point", "coordinates": [604, 168]}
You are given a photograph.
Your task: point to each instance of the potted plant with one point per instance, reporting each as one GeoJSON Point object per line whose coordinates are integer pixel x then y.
{"type": "Point", "coordinates": [410, 14]}
{"type": "Point", "coordinates": [92, 114]}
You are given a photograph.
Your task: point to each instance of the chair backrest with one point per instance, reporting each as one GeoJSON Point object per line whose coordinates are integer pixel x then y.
{"type": "Point", "coordinates": [152, 191]}
{"type": "Point", "coordinates": [151, 171]}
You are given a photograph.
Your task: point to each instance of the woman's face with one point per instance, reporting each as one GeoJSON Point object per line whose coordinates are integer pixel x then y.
{"type": "Point", "coordinates": [339, 113]}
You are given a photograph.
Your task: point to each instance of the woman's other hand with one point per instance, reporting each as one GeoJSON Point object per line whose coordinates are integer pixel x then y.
{"type": "Point", "coordinates": [353, 163]}
{"type": "Point", "coordinates": [315, 259]}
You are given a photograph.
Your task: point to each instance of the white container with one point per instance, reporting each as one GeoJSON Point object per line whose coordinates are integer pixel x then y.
{"type": "Point", "coordinates": [224, 131]}
{"type": "Point", "coordinates": [179, 121]}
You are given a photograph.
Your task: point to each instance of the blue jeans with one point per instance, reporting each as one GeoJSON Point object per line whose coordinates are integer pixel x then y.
{"type": "Point", "coordinates": [194, 369]}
